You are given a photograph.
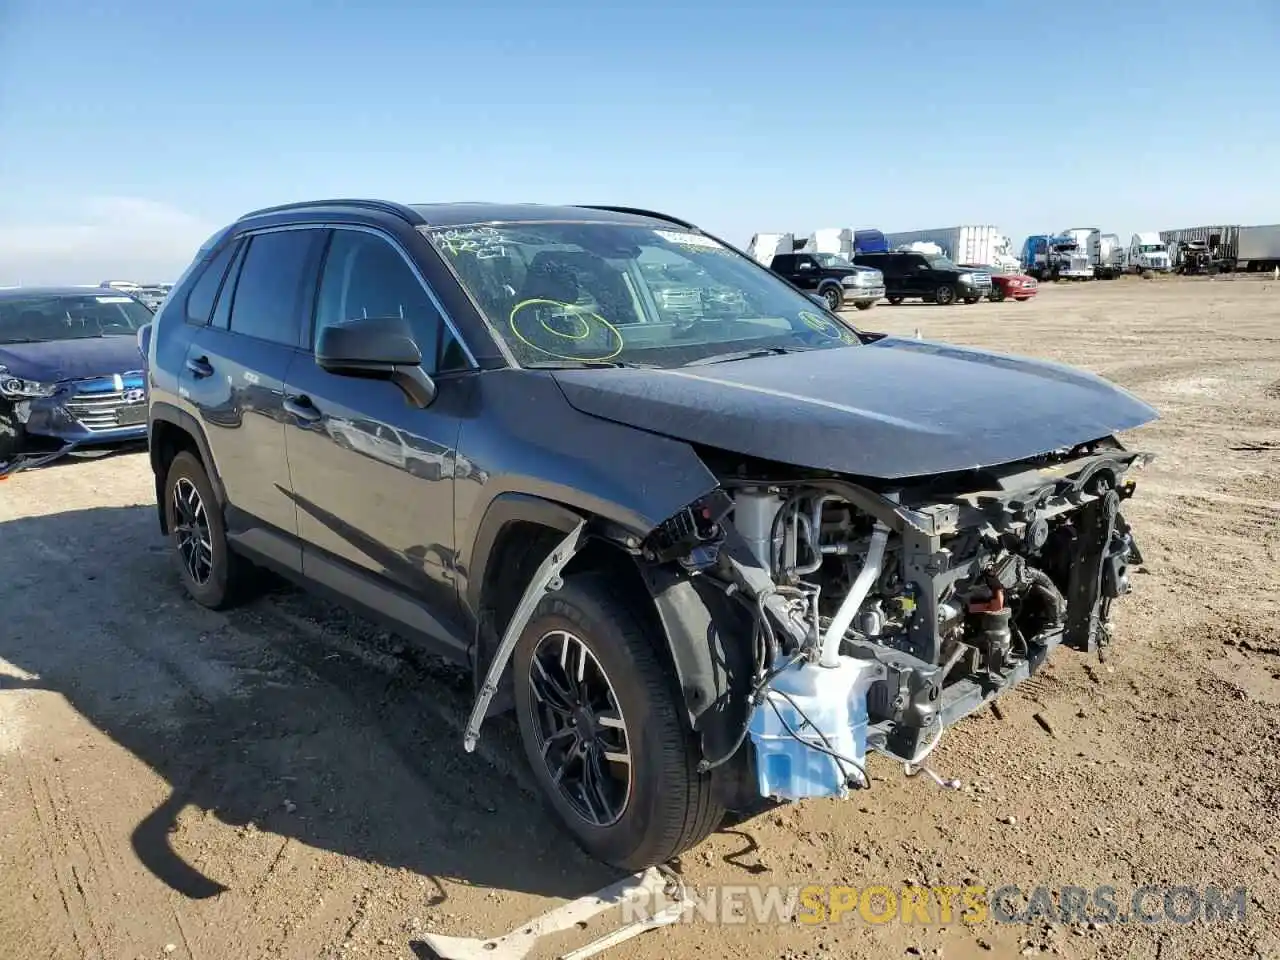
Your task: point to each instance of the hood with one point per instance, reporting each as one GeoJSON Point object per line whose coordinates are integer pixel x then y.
{"type": "Point", "coordinates": [890, 409]}
{"type": "Point", "coordinates": [53, 360]}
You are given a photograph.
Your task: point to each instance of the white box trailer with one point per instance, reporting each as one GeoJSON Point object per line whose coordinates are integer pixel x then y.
{"type": "Point", "coordinates": [982, 244]}
{"type": "Point", "coordinates": [837, 240]}
{"type": "Point", "coordinates": [765, 246]}
{"type": "Point", "coordinates": [1258, 248]}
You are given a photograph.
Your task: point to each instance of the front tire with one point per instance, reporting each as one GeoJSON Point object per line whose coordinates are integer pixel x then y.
{"type": "Point", "coordinates": [210, 572]}
{"type": "Point", "coordinates": [834, 298]}
{"type": "Point", "coordinates": [604, 728]}
{"type": "Point", "coordinates": [865, 305]}
{"type": "Point", "coordinates": [945, 295]}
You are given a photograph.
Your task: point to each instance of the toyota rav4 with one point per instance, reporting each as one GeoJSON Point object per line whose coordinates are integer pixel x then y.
{"type": "Point", "coordinates": [710, 557]}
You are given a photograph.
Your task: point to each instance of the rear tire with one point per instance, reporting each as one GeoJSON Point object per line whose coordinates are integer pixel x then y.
{"type": "Point", "coordinates": [635, 814]}
{"type": "Point", "coordinates": [213, 575]}
{"type": "Point", "coordinates": [894, 300]}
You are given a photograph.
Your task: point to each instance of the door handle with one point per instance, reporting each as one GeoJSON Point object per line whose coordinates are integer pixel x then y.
{"type": "Point", "coordinates": [200, 367]}
{"type": "Point", "coordinates": [302, 408]}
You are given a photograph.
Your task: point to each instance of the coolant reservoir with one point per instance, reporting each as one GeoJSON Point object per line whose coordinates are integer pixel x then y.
{"type": "Point", "coordinates": [834, 699]}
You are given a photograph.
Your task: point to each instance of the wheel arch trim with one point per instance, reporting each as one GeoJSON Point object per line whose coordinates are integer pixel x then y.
{"type": "Point", "coordinates": [167, 413]}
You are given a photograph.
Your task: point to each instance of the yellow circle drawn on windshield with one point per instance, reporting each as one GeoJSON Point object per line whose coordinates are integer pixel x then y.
{"type": "Point", "coordinates": [590, 323]}
{"type": "Point", "coordinates": [827, 327]}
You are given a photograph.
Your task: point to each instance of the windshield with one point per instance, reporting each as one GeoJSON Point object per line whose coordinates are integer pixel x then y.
{"type": "Point", "coordinates": [942, 263]}
{"type": "Point", "coordinates": [1152, 248]}
{"type": "Point", "coordinates": [833, 260]}
{"type": "Point", "coordinates": [567, 293]}
{"type": "Point", "coordinates": [36, 319]}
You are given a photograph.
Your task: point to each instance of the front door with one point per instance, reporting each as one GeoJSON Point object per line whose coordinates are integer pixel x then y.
{"type": "Point", "coordinates": [234, 379]}
{"type": "Point", "coordinates": [917, 277]}
{"type": "Point", "coordinates": [807, 273]}
{"type": "Point", "coordinates": [372, 475]}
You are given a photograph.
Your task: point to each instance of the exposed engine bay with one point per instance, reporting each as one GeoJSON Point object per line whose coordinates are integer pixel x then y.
{"type": "Point", "coordinates": [951, 589]}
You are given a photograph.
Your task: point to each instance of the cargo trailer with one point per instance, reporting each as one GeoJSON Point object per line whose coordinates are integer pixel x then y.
{"type": "Point", "coordinates": [967, 244]}
{"type": "Point", "coordinates": [1258, 248]}
{"type": "Point", "coordinates": [1222, 242]}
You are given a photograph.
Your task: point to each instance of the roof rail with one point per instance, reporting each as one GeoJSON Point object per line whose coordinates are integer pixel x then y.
{"type": "Point", "coordinates": [640, 212]}
{"type": "Point", "coordinates": [383, 206]}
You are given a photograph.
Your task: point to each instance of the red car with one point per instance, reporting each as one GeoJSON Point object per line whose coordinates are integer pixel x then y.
{"type": "Point", "coordinates": [1009, 286]}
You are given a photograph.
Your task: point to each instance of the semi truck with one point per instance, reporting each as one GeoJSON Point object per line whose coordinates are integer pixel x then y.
{"type": "Point", "coordinates": [1048, 256]}
{"type": "Point", "coordinates": [869, 241]}
{"type": "Point", "coordinates": [1231, 246]}
{"type": "Point", "coordinates": [1109, 262]}
{"type": "Point", "coordinates": [1148, 252]}
{"type": "Point", "coordinates": [980, 244]}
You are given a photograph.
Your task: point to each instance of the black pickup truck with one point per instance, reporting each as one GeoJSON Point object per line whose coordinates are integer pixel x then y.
{"type": "Point", "coordinates": [931, 278]}
{"type": "Point", "coordinates": [834, 278]}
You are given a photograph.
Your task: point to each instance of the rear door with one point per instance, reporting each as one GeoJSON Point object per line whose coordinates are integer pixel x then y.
{"type": "Point", "coordinates": [784, 265]}
{"type": "Point", "coordinates": [234, 379]}
{"type": "Point", "coordinates": [887, 264]}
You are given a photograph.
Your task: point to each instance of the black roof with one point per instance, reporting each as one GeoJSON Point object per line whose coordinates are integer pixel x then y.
{"type": "Point", "coordinates": [22, 293]}
{"type": "Point", "coordinates": [465, 214]}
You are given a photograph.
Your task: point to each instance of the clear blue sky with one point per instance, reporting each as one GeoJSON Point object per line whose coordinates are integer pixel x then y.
{"type": "Point", "coordinates": [125, 134]}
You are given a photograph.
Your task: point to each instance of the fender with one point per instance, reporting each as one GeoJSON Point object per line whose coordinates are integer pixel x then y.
{"type": "Point", "coordinates": [709, 636]}
{"type": "Point", "coordinates": [504, 509]}
{"type": "Point", "coordinates": [168, 413]}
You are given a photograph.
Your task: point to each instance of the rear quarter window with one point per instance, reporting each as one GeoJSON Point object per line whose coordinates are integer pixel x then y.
{"type": "Point", "coordinates": [204, 292]}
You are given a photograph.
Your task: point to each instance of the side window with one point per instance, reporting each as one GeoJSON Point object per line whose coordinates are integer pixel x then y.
{"type": "Point", "coordinates": [784, 263]}
{"type": "Point", "coordinates": [222, 310]}
{"type": "Point", "coordinates": [205, 290]}
{"type": "Point", "coordinates": [365, 276]}
{"type": "Point", "coordinates": [268, 291]}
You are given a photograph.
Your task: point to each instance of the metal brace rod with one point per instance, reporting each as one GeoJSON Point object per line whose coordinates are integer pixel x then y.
{"type": "Point", "coordinates": [29, 461]}
{"type": "Point", "coordinates": [519, 942]}
{"type": "Point", "coordinates": [661, 918]}
{"type": "Point", "coordinates": [545, 578]}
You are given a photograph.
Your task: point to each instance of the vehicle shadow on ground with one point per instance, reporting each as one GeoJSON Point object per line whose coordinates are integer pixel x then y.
{"type": "Point", "coordinates": [288, 715]}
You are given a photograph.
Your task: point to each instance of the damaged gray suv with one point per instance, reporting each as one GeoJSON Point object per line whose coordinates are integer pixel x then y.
{"type": "Point", "coordinates": [710, 559]}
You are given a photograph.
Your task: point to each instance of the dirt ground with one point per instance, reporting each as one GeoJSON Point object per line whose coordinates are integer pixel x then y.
{"type": "Point", "coordinates": [288, 781]}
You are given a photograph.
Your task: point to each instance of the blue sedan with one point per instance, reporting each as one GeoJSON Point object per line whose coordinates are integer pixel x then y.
{"type": "Point", "coordinates": [71, 373]}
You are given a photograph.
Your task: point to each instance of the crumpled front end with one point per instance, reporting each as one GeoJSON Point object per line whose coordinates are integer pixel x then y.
{"type": "Point", "coordinates": [96, 410]}
{"type": "Point", "coordinates": [883, 615]}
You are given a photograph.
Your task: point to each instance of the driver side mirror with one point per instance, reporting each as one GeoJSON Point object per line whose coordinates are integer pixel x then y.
{"type": "Point", "coordinates": [376, 348]}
